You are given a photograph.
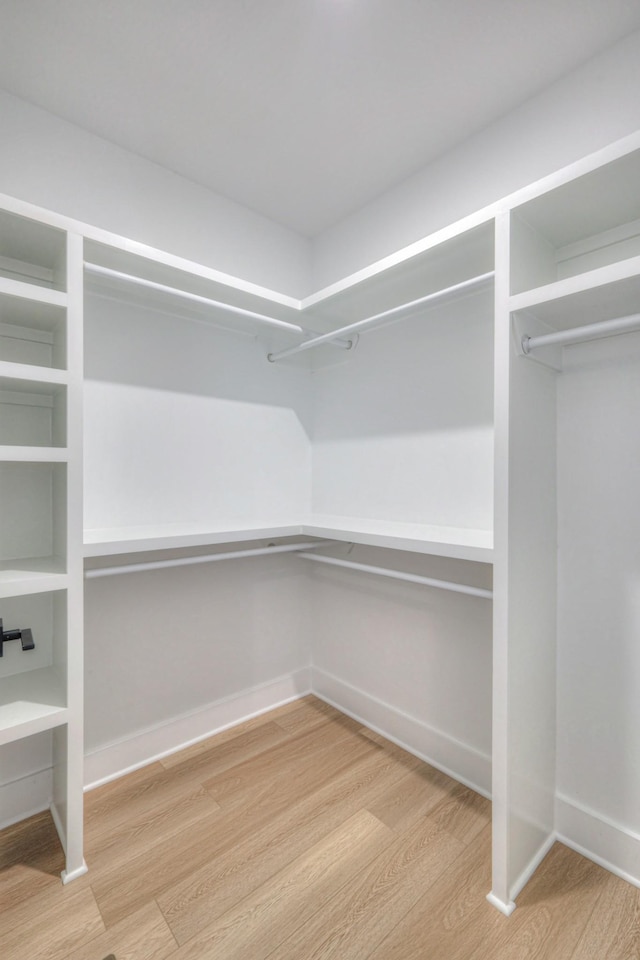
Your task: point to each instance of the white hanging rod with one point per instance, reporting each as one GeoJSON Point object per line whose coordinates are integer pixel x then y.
{"type": "Point", "coordinates": [196, 298]}
{"type": "Point", "coordinates": [385, 315]}
{"type": "Point", "coordinates": [204, 558]}
{"type": "Point", "coordinates": [592, 331]}
{"type": "Point", "coordinates": [401, 575]}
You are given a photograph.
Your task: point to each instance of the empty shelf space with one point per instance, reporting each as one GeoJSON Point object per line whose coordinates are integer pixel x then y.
{"type": "Point", "coordinates": [32, 252]}
{"type": "Point", "coordinates": [32, 332]}
{"type": "Point", "coordinates": [32, 413]}
{"type": "Point", "coordinates": [32, 522]}
{"type": "Point", "coordinates": [590, 222]}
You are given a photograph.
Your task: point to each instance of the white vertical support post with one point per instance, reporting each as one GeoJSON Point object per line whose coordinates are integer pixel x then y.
{"type": "Point", "coordinates": [499, 895]}
{"type": "Point", "coordinates": [525, 606]}
{"type": "Point", "coordinates": [71, 770]}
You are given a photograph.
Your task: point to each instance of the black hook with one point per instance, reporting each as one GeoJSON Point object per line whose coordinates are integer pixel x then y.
{"type": "Point", "coordinates": [25, 636]}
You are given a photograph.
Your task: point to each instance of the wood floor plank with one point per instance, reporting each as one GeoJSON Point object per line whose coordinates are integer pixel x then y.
{"type": "Point", "coordinates": [259, 923]}
{"type": "Point", "coordinates": [311, 713]}
{"type": "Point", "coordinates": [193, 751]}
{"type": "Point", "coordinates": [142, 936]}
{"type": "Point", "coordinates": [31, 859]}
{"type": "Point", "coordinates": [463, 813]}
{"type": "Point", "coordinates": [224, 880]}
{"type": "Point", "coordinates": [224, 754]}
{"type": "Point", "coordinates": [313, 753]}
{"type": "Point", "coordinates": [122, 887]}
{"type": "Point", "coordinates": [117, 841]}
{"type": "Point", "coordinates": [613, 929]}
{"type": "Point", "coordinates": [553, 910]}
{"type": "Point", "coordinates": [268, 862]}
{"type": "Point", "coordinates": [418, 793]}
{"type": "Point", "coordinates": [452, 915]}
{"type": "Point", "coordinates": [358, 916]}
{"type": "Point", "coordinates": [52, 926]}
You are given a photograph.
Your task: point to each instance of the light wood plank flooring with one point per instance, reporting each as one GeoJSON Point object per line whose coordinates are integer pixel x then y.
{"type": "Point", "coordinates": [295, 836]}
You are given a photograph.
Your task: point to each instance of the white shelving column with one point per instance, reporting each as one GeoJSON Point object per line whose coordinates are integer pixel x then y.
{"type": "Point", "coordinates": [41, 502]}
{"type": "Point", "coordinates": [524, 698]}
{"type": "Point", "coordinates": [570, 258]}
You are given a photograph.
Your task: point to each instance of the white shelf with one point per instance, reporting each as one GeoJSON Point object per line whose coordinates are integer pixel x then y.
{"type": "Point", "coordinates": [437, 541]}
{"type": "Point", "coordinates": [31, 703]}
{"type": "Point", "coordinates": [122, 540]}
{"type": "Point", "coordinates": [600, 294]}
{"type": "Point", "coordinates": [16, 454]}
{"type": "Point", "coordinates": [33, 374]}
{"type": "Point", "coordinates": [21, 577]}
{"type": "Point", "coordinates": [455, 542]}
{"type": "Point", "coordinates": [29, 291]}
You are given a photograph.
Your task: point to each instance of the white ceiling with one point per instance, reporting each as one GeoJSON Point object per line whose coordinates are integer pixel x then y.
{"type": "Point", "coordinates": [303, 110]}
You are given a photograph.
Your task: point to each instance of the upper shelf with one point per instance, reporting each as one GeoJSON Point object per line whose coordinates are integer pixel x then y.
{"type": "Point", "coordinates": [452, 542]}
{"type": "Point", "coordinates": [601, 294]}
{"type": "Point", "coordinates": [32, 252]}
{"type": "Point", "coordinates": [588, 222]}
{"type": "Point", "coordinates": [208, 298]}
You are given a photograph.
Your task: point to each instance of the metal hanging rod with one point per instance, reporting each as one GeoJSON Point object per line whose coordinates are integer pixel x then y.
{"type": "Point", "coordinates": [401, 575]}
{"type": "Point", "coordinates": [204, 558]}
{"type": "Point", "coordinates": [592, 331]}
{"type": "Point", "coordinates": [385, 315]}
{"type": "Point", "coordinates": [196, 298]}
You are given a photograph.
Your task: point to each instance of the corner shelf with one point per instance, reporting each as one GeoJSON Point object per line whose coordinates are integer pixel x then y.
{"type": "Point", "coordinates": [454, 542]}
{"type": "Point", "coordinates": [451, 542]}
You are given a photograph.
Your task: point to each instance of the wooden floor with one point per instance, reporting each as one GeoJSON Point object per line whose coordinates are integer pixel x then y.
{"type": "Point", "coordinates": [295, 836]}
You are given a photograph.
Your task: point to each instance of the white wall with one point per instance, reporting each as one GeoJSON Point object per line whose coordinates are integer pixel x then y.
{"type": "Point", "coordinates": [172, 654]}
{"type": "Point", "coordinates": [413, 661]}
{"type": "Point", "coordinates": [588, 109]}
{"type": "Point", "coordinates": [403, 429]}
{"type": "Point", "coordinates": [52, 163]}
{"type": "Point", "coordinates": [185, 423]}
{"type": "Point", "coordinates": [599, 579]}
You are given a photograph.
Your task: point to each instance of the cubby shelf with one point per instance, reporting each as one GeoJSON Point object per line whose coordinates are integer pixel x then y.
{"type": "Point", "coordinates": [32, 292]}
{"type": "Point", "coordinates": [37, 575]}
{"type": "Point", "coordinates": [599, 294]}
{"type": "Point", "coordinates": [31, 703]}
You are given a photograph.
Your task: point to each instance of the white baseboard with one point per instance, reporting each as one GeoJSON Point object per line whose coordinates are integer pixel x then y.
{"type": "Point", "coordinates": [25, 797]}
{"type": "Point", "coordinates": [609, 844]}
{"type": "Point", "coordinates": [116, 759]}
{"type": "Point", "coordinates": [457, 759]}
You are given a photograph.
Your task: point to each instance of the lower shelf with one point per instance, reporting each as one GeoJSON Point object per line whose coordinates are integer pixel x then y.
{"type": "Point", "coordinates": [31, 703]}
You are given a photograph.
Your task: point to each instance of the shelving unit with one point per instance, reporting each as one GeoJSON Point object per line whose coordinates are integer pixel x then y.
{"type": "Point", "coordinates": [573, 256]}
{"type": "Point", "coordinates": [40, 486]}
{"type": "Point", "coordinates": [436, 440]}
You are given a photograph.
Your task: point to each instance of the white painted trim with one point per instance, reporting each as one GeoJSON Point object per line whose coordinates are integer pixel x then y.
{"type": "Point", "coordinates": [147, 746]}
{"type": "Point", "coordinates": [80, 872]}
{"type": "Point", "coordinates": [458, 760]}
{"type": "Point", "coordinates": [505, 908]}
{"type": "Point", "coordinates": [609, 844]}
